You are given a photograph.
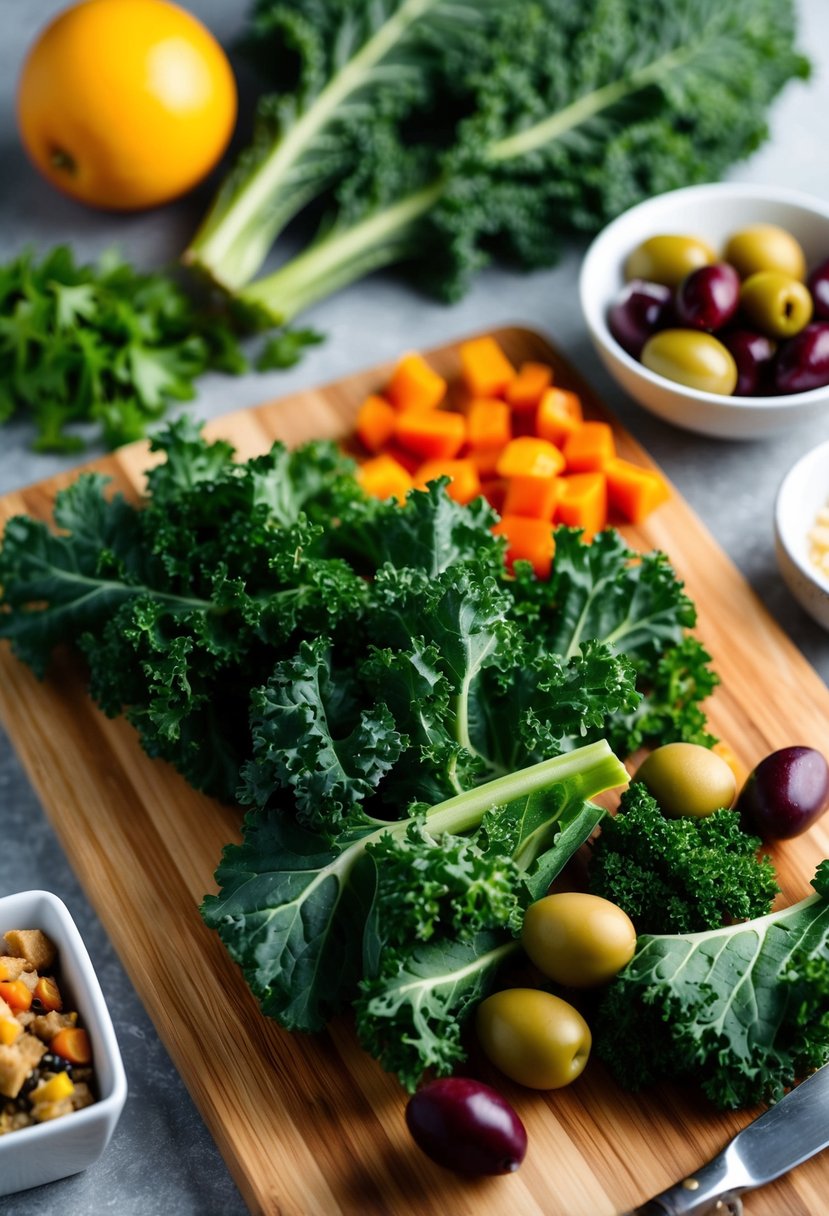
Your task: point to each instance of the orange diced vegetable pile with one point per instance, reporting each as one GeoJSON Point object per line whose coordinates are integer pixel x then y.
{"type": "Point", "coordinates": [510, 434]}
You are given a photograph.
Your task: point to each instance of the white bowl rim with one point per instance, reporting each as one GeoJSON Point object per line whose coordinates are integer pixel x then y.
{"type": "Point", "coordinates": [817, 455]}
{"type": "Point", "coordinates": [114, 1100]}
{"type": "Point", "coordinates": [597, 321]}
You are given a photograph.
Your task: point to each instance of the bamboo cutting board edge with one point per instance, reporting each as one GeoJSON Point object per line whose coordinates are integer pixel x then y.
{"type": "Point", "coordinates": [306, 1142]}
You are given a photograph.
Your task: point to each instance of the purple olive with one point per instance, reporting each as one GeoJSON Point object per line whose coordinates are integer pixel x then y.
{"type": "Point", "coordinates": [753, 353]}
{"type": "Point", "coordinates": [785, 793]}
{"type": "Point", "coordinates": [708, 297]}
{"type": "Point", "coordinates": [818, 284]}
{"type": "Point", "coordinates": [641, 309]}
{"type": "Point", "coordinates": [803, 361]}
{"type": "Point", "coordinates": [467, 1127]}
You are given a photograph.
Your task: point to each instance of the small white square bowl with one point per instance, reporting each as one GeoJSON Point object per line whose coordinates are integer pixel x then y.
{"type": "Point", "coordinates": [32, 1156]}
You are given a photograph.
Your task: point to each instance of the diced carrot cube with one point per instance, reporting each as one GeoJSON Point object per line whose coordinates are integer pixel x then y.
{"type": "Point", "coordinates": [528, 540]}
{"type": "Point", "coordinates": [414, 385]}
{"type": "Point", "coordinates": [634, 491]}
{"type": "Point", "coordinates": [383, 477]}
{"type": "Point", "coordinates": [488, 423]}
{"type": "Point", "coordinates": [432, 434]}
{"type": "Point", "coordinates": [582, 502]}
{"type": "Point", "coordinates": [528, 387]}
{"type": "Point", "coordinates": [10, 1031]}
{"type": "Point", "coordinates": [559, 413]}
{"type": "Point", "coordinates": [530, 457]}
{"type": "Point", "coordinates": [532, 496]}
{"type": "Point", "coordinates": [589, 447]}
{"type": "Point", "coordinates": [486, 370]}
{"type": "Point", "coordinates": [485, 460]}
{"type": "Point", "coordinates": [375, 422]}
{"type": "Point", "coordinates": [464, 484]}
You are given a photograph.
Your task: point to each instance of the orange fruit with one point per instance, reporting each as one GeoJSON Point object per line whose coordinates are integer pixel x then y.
{"type": "Point", "coordinates": [125, 104]}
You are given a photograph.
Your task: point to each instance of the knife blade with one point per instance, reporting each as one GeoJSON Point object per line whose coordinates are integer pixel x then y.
{"type": "Point", "coordinates": [784, 1136]}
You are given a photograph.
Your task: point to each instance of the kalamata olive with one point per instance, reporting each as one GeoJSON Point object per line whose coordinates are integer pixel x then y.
{"type": "Point", "coordinates": [667, 259]}
{"type": "Point", "coordinates": [818, 284]}
{"type": "Point", "coordinates": [707, 298]}
{"type": "Point", "coordinates": [640, 311]}
{"type": "Point", "coordinates": [802, 363]}
{"type": "Point", "coordinates": [765, 247]}
{"type": "Point", "coordinates": [688, 779]}
{"type": "Point", "coordinates": [577, 939]}
{"type": "Point", "coordinates": [693, 358]}
{"type": "Point", "coordinates": [535, 1038]}
{"type": "Point", "coordinates": [467, 1127]}
{"type": "Point", "coordinates": [753, 353]}
{"type": "Point", "coordinates": [776, 304]}
{"type": "Point", "coordinates": [785, 793]}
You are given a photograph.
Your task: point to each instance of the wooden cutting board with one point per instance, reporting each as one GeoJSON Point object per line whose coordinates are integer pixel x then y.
{"type": "Point", "coordinates": [310, 1126]}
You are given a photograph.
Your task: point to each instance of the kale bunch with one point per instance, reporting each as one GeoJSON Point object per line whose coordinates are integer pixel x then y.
{"type": "Point", "coordinates": [679, 875]}
{"type": "Point", "coordinates": [742, 1010]}
{"type": "Point", "coordinates": [556, 116]}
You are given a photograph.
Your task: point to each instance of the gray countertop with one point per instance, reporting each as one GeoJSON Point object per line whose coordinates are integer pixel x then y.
{"type": "Point", "coordinates": [162, 1160]}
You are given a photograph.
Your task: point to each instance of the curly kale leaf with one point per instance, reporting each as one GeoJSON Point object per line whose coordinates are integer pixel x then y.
{"type": "Point", "coordinates": [679, 875]}
{"type": "Point", "coordinates": [634, 605]}
{"type": "Point", "coordinates": [740, 1010]}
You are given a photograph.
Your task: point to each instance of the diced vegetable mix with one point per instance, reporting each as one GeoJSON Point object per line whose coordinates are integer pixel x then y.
{"type": "Point", "coordinates": [45, 1056]}
{"type": "Point", "coordinates": [510, 435]}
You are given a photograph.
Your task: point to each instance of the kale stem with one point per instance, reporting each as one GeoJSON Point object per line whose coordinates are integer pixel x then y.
{"type": "Point", "coordinates": [381, 239]}
{"type": "Point", "coordinates": [593, 769]}
{"type": "Point", "coordinates": [235, 238]}
{"type": "Point", "coordinates": [582, 110]}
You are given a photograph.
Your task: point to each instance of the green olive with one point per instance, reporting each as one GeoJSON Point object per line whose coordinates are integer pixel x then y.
{"type": "Point", "coordinates": [688, 779]}
{"type": "Point", "coordinates": [765, 247]}
{"type": "Point", "coordinates": [693, 358]}
{"type": "Point", "coordinates": [668, 259]}
{"type": "Point", "coordinates": [776, 303]}
{"type": "Point", "coordinates": [577, 939]}
{"type": "Point", "coordinates": [535, 1038]}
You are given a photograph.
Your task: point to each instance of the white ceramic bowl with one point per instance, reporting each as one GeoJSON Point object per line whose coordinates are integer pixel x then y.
{"type": "Point", "coordinates": [803, 491]}
{"type": "Point", "coordinates": [712, 212]}
{"type": "Point", "coordinates": [64, 1146]}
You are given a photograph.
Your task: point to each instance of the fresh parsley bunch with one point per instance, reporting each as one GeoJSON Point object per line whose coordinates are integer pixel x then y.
{"type": "Point", "coordinates": [100, 344]}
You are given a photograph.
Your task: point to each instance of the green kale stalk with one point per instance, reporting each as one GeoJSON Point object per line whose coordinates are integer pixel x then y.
{"type": "Point", "coordinates": [345, 69]}
{"type": "Point", "coordinates": [417, 915]}
{"type": "Point", "coordinates": [572, 111]}
{"type": "Point", "coordinates": [742, 1010]}
{"type": "Point", "coordinates": [679, 875]}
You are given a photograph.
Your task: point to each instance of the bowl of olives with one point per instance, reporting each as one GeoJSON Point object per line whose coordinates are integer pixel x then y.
{"type": "Point", "coordinates": [710, 307]}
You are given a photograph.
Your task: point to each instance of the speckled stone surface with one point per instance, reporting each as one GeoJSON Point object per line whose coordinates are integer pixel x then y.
{"type": "Point", "coordinates": [162, 1161]}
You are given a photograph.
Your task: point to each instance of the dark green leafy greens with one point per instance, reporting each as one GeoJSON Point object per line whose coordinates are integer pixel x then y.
{"type": "Point", "coordinates": [417, 914]}
{"type": "Point", "coordinates": [742, 1010]}
{"type": "Point", "coordinates": [558, 115]}
{"type": "Point", "coordinates": [365, 663]}
{"type": "Point", "coordinates": [417, 735]}
{"type": "Point", "coordinates": [679, 875]}
{"type": "Point", "coordinates": [100, 344]}
{"type": "Point", "coordinates": [345, 73]}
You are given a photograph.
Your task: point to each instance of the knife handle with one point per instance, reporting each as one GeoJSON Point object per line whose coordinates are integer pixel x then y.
{"type": "Point", "coordinates": [675, 1202]}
